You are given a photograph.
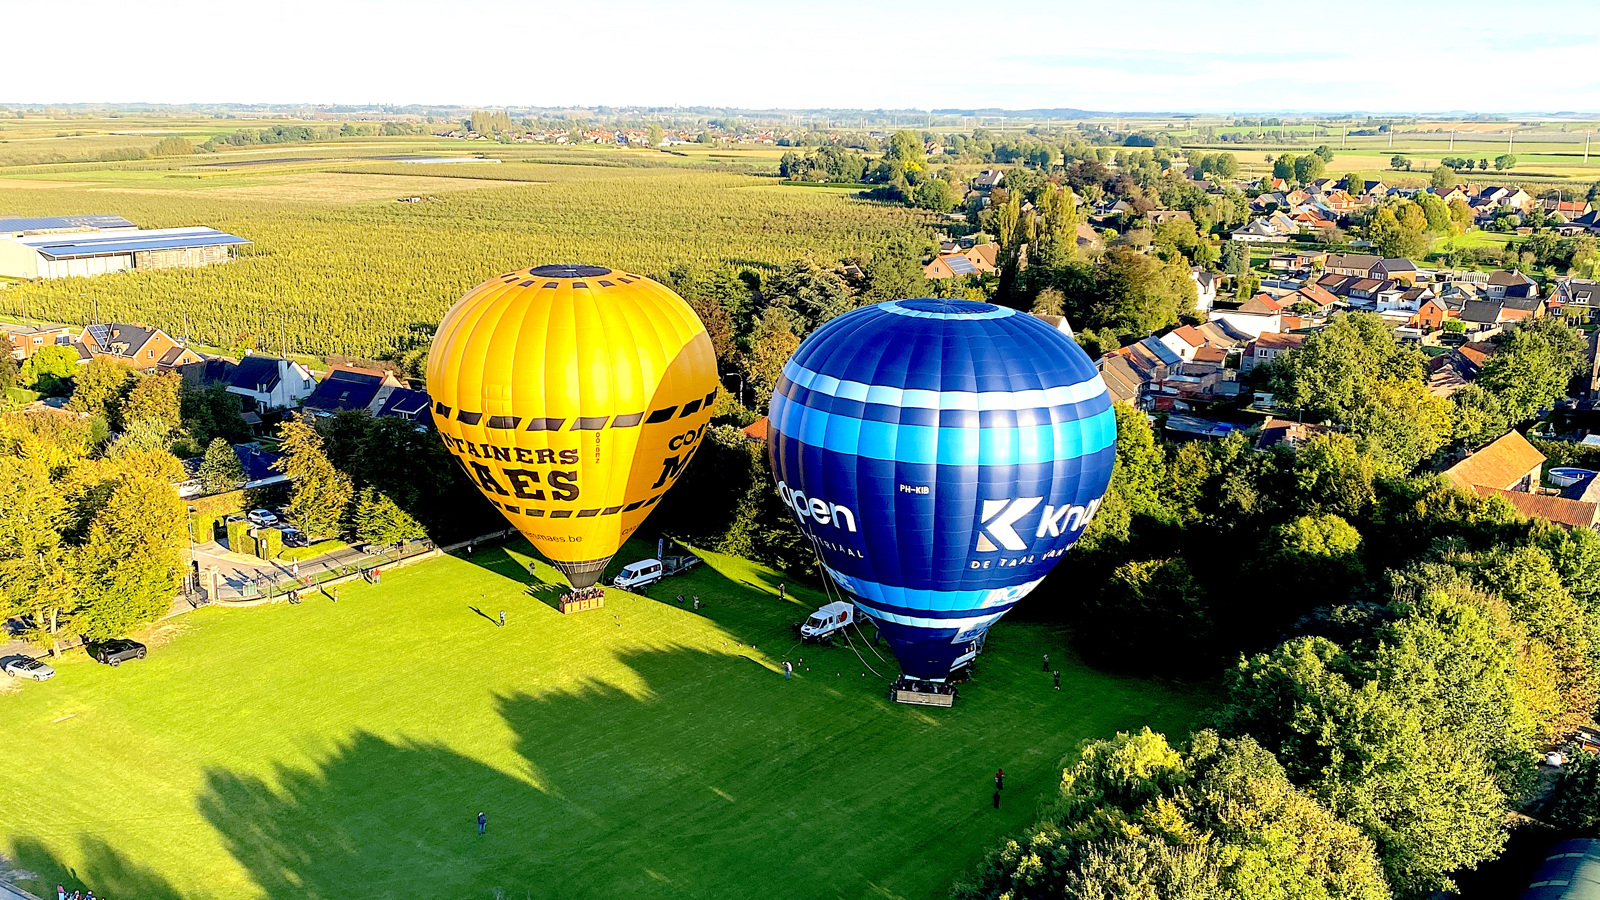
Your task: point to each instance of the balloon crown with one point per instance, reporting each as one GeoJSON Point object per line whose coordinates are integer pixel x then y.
{"type": "Point", "coordinates": [566, 271]}
{"type": "Point", "coordinates": [941, 308]}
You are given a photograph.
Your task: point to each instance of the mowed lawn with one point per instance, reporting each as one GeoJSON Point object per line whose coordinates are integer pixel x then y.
{"type": "Point", "coordinates": [342, 751]}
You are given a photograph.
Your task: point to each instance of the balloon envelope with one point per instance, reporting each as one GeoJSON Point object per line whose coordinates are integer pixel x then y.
{"type": "Point", "coordinates": [942, 455]}
{"type": "Point", "coordinates": [573, 396]}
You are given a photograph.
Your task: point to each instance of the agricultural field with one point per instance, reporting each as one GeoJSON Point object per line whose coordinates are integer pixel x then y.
{"type": "Point", "coordinates": [339, 266]}
{"type": "Point", "coordinates": [642, 750]}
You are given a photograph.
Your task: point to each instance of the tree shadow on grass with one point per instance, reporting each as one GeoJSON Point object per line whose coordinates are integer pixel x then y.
{"type": "Point", "coordinates": [103, 870]}
{"type": "Point", "coordinates": [716, 778]}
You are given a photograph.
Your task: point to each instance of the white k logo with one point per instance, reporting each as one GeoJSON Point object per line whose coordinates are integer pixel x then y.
{"type": "Point", "coordinates": [998, 518]}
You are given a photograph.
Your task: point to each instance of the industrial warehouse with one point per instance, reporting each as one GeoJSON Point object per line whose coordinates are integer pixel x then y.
{"type": "Point", "coordinates": [97, 245]}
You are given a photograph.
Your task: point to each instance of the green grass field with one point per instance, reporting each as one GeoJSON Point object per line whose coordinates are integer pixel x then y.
{"type": "Point", "coordinates": [644, 750]}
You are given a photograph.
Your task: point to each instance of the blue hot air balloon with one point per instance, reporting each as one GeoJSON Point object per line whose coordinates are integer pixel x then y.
{"type": "Point", "coordinates": [942, 456]}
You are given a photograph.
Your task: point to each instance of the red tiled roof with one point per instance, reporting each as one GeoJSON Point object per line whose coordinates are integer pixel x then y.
{"type": "Point", "coordinates": [1551, 508]}
{"type": "Point", "coordinates": [1272, 340]}
{"type": "Point", "coordinates": [757, 430]}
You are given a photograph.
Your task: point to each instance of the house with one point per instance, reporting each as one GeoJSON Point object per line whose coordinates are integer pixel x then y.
{"type": "Point", "coordinates": [1059, 323]}
{"type": "Point", "coordinates": [1430, 315]}
{"type": "Point", "coordinates": [1552, 508]}
{"type": "Point", "coordinates": [402, 403]}
{"type": "Point", "coordinates": [1163, 216]}
{"type": "Point", "coordinates": [1578, 300]}
{"type": "Point", "coordinates": [267, 383]}
{"type": "Point", "coordinates": [1450, 372]}
{"type": "Point", "coordinates": [1368, 288]}
{"type": "Point", "coordinates": [1521, 302]}
{"type": "Point", "coordinates": [1502, 281]}
{"type": "Point", "coordinates": [949, 265]}
{"type": "Point", "coordinates": [208, 371]}
{"type": "Point", "coordinates": [1185, 341]}
{"type": "Point", "coordinates": [1482, 317]}
{"type": "Point", "coordinates": [1508, 463]}
{"type": "Point", "coordinates": [757, 431]}
{"type": "Point", "coordinates": [255, 464]}
{"type": "Point", "coordinates": [988, 180]}
{"type": "Point", "coordinates": [1131, 372]}
{"type": "Point", "coordinates": [1261, 231]}
{"type": "Point", "coordinates": [1449, 194]}
{"type": "Point", "coordinates": [347, 388]}
{"type": "Point", "coordinates": [1401, 270]}
{"type": "Point", "coordinates": [1359, 265]}
{"type": "Point", "coordinates": [1589, 220]}
{"type": "Point", "coordinates": [1087, 237]}
{"type": "Point", "coordinates": [147, 349]}
{"type": "Point", "coordinates": [1298, 261]}
{"type": "Point", "coordinates": [1314, 294]}
{"type": "Point", "coordinates": [1253, 317]}
{"type": "Point", "coordinates": [984, 257]}
{"type": "Point", "coordinates": [26, 340]}
{"type": "Point", "coordinates": [1275, 432]}
{"type": "Point", "coordinates": [1205, 286]}
{"type": "Point", "coordinates": [1269, 346]}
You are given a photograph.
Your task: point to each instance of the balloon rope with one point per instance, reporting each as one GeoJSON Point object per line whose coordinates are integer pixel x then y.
{"type": "Point", "coordinates": [852, 646]}
{"type": "Point", "coordinates": [863, 635]}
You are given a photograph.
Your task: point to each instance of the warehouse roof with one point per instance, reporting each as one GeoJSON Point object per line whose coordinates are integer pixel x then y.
{"type": "Point", "coordinates": [62, 223]}
{"type": "Point", "coordinates": [100, 243]}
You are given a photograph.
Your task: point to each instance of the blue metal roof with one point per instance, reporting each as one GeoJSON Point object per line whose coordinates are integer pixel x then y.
{"type": "Point", "coordinates": [56, 223]}
{"type": "Point", "coordinates": [101, 243]}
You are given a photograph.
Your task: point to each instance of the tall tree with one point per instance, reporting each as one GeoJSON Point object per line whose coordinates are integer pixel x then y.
{"type": "Point", "coordinates": [130, 563]}
{"type": "Point", "coordinates": [219, 468]}
{"type": "Point", "coordinates": [320, 493]}
{"type": "Point", "coordinates": [379, 521]}
{"type": "Point", "coordinates": [99, 389]}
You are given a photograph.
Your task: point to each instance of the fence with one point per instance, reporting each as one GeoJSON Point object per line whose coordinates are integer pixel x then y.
{"type": "Point", "coordinates": [366, 563]}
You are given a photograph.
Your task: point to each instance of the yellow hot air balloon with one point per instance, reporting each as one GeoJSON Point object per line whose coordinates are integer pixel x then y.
{"type": "Point", "coordinates": [573, 396]}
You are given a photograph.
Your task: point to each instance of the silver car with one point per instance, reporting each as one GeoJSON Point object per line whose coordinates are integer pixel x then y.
{"type": "Point", "coordinates": [23, 667]}
{"type": "Point", "coordinates": [262, 517]}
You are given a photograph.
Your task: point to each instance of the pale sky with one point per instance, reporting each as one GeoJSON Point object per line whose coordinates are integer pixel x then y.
{"type": "Point", "coordinates": [1113, 55]}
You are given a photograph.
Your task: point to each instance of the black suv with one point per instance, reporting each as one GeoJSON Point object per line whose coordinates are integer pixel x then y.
{"type": "Point", "coordinates": [113, 652]}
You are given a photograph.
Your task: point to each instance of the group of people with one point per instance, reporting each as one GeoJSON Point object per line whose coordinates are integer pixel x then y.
{"type": "Point", "coordinates": [920, 686]}
{"type": "Point", "coordinates": [588, 593]}
{"type": "Point", "coordinates": [64, 894]}
{"type": "Point", "coordinates": [696, 600]}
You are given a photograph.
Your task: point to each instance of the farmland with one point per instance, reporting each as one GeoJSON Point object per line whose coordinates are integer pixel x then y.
{"type": "Point", "coordinates": [643, 750]}
{"type": "Point", "coordinates": [339, 267]}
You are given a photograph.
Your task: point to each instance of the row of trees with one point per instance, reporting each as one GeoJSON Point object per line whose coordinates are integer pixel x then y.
{"type": "Point", "coordinates": [1424, 644]}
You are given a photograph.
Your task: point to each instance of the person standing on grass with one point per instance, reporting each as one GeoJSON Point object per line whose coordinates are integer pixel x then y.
{"type": "Point", "coordinates": [1046, 663]}
{"type": "Point", "coordinates": [781, 588]}
{"type": "Point", "coordinates": [788, 670]}
{"type": "Point", "coordinates": [502, 618]}
{"type": "Point", "coordinates": [483, 823]}
{"type": "Point", "coordinates": [61, 893]}
{"type": "Point", "coordinates": [1000, 779]}
{"type": "Point", "coordinates": [1058, 679]}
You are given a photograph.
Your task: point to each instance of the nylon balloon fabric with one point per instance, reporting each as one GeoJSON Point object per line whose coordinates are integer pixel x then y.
{"type": "Point", "coordinates": [573, 396]}
{"type": "Point", "coordinates": [942, 456]}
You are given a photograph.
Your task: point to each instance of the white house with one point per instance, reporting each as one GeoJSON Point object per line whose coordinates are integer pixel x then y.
{"type": "Point", "coordinates": [268, 383]}
{"type": "Point", "coordinates": [1256, 316]}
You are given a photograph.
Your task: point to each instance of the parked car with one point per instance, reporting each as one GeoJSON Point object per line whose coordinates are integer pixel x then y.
{"type": "Point", "coordinates": [26, 667]}
{"type": "Point", "coordinates": [114, 652]}
{"type": "Point", "coordinates": [293, 537]}
{"type": "Point", "coordinates": [262, 517]}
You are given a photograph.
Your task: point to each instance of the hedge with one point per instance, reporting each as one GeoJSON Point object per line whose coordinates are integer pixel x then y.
{"type": "Point", "coordinates": [269, 542]}
{"type": "Point", "coordinates": [208, 511]}
{"type": "Point", "coordinates": [239, 535]}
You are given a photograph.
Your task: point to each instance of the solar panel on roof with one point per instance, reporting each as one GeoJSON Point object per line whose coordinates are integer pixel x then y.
{"type": "Point", "coordinates": [961, 265]}
{"type": "Point", "coordinates": [101, 335]}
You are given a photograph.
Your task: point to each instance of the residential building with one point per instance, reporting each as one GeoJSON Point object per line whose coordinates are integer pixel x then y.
{"type": "Point", "coordinates": [26, 340]}
{"type": "Point", "coordinates": [402, 403]}
{"type": "Point", "coordinates": [149, 350]}
{"type": "Point", "coordinates": [1401, 270]}
{"type": "Point", "coordinates": [1262, 231]}
{"type": "Point", "coordinates": [1259, 314]}
{"type": "Point", "coordinates": [1450, 372]}
{"type": "Point", "coordinates": [1578, 300]}
{"type": "Point", "coordinates": [1509, 463]}
{"type": "Point", "coordinates": [1276, 431]}
{"type": "Point", "coordinates": [1359, 265]}
{"type": "Point", "coordinates": [348, 387]}
{"type": "Point", "coordinates": [1205, 286]}
{"type": "Point", "coordinates": [1500, 282]}
{"type": "Point", "coordinates": [255, 464]}
{"type": "Point", "coordinates": [1267, 347]}
{"type": "Point", "coordinates": [267, 383]}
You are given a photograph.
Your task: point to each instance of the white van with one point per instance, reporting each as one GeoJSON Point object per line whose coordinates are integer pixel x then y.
{"type": "Point", "coordinates": [643, 573]}
{"type": "Point", "coordinates": [824, 622]}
